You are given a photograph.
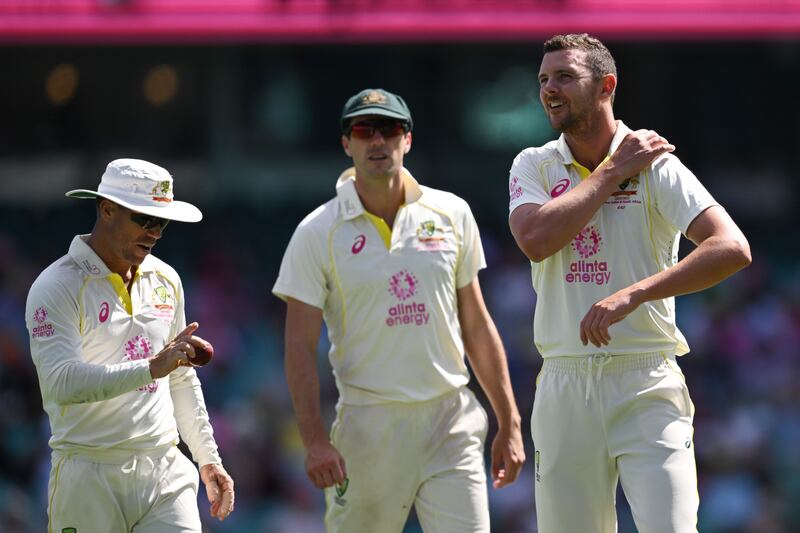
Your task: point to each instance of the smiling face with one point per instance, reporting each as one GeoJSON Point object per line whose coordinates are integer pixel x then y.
{"type": "Point", "coordinates": [571, 96]}
{"type": "Point", "coordinates": [379, 156]}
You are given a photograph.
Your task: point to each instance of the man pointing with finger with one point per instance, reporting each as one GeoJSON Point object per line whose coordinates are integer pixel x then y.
{"type": "Point", "coordinates": [114, 358]}
{"type": "Point", "coordinates": [599, 213]}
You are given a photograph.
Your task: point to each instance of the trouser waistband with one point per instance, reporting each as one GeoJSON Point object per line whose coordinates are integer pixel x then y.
{"type": "Point", "coordinates": [112, 456]}
{"type": "Point", "coordinates": [614, 364]}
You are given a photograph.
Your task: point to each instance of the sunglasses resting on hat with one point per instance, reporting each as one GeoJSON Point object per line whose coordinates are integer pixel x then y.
{"type": "Point", "coordinates": [367, 128]}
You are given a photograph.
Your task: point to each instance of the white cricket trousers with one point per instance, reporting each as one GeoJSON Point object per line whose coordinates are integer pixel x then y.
{"type": "Point", "coordinates": [600, 419]}
{"type": "Point", "coordinates": [116, 492]}
{"type": "Point", "coordinates": [427, 454]}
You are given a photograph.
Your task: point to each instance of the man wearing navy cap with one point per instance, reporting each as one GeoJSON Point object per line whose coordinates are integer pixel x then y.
{"type": "Point", "coordinates": [391, 266]}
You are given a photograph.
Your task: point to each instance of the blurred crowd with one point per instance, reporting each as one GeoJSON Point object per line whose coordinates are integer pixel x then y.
{"type": "Point", "coordinates": [742, 371]}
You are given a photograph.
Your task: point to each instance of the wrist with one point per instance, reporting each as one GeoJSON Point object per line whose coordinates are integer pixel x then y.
{"type": "Point", "coordinates": [509, 423]}
{"type": "Point", "coordinates": [638, 294]}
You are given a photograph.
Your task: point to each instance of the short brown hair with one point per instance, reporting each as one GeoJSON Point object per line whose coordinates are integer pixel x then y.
{"type": "Point", "coordinates": [598, 58]}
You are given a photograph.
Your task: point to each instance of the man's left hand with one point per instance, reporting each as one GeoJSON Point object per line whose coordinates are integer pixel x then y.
{"type": "Point", "coordinates": [508, 454]}
{"type": "Point", "coordinates": [219, 489]}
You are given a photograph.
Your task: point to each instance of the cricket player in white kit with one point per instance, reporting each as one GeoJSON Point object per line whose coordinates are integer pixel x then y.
{"type": "Point", "coordinates": [114, 358]}
{"type": "Point", "coordinates": [391, 266]}
{"type": "Point", "coordinates": [599, 212]}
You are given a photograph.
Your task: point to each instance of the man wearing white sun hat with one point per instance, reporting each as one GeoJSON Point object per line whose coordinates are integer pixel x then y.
{"type": "Point", "coordinates": [115, 358]}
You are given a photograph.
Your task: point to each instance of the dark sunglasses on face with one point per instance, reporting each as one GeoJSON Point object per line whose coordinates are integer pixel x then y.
{"type": "Point", "coordinates": [388, 128]}
{"type": "Point", "coordinates": [149, 222]}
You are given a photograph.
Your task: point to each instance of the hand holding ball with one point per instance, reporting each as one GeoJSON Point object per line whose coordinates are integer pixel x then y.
{"type": "Point", "coordinates": [202, 354]}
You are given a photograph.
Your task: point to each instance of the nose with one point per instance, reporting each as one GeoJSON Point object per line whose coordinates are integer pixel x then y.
{"type": "Point", "coordinates": [377, 137]}
{"type": "Point", "coordinates": [547, 86]}
{"type": "Point", "coordinates": [155, 232]}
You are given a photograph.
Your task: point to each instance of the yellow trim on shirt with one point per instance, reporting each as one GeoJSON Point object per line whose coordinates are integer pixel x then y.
{"type": "Point", "coordinates": [335, 275]}
{"type": "Point", "coordinates": [80, 305]}
{"type": "Point", "coordinates": [121, 290]}
{"type": "Point", "coordinates": [50, 507]}
{"type": "Point", "coordinates": [383, 228]}
{"type": "Point", "coordinates": [648, 177]}
{"type": "Point", "coordinates": [584, 172]}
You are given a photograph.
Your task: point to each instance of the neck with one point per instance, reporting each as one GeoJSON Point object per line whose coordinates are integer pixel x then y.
{"type": "Point", "coordinates": [381, 197]}
{"type": "Point", "coordinates": [102, 248]}
{"type": "Point", "coordinates": [590, 147]}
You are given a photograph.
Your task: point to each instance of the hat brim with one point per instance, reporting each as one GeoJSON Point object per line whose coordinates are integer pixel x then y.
{"type": "Point", "coordinates": [380, 111]}
{"type": "Point", "coordinates": [174, 210]}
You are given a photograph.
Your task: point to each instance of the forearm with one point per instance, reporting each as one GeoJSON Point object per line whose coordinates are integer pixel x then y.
{"type": "Point", "coordinates": [543, 231]}
{"type": "Point", "coordinates": [75, 382]}
{"type": "Point", "coordinates": [192, 417]}
{"type": "Point", "coordinates": [715, 259]}
{"type": "Point", "coordinates": [303, 381]}
{"type": "Point", "coordinates": [488, 361]}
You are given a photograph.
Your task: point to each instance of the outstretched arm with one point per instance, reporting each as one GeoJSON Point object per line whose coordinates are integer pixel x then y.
{"type": "Point", "coordinates": [722, 250]}
{"type": "Point", "coordinates": [488, 359]}
{"type": "Point", "coordinates": [325, 467]}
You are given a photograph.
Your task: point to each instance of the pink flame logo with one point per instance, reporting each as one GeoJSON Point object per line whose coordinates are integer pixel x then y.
{"type": "Point", "coordinates": [138, 348]}
{"type": "Point", "coordinates": [587, 242]}
{"type": "Point", "coordinates": [403, 285]}
{"type": "Point", "coordinates": [40, 315]}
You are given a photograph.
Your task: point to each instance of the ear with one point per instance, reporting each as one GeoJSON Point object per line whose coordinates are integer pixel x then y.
{"type": "Point", "coordinates": [407, 147]}
{"type": "Point", "coordinates": [346, 145]}
{"type": "Point", "coordinates": [106, 209]}
{"type": "Point", "coordinates": [608, 85]}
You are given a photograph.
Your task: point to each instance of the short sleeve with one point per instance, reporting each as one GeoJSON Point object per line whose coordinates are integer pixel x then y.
{"type": "Point", "coordinates": [302, 272]}
{"type": "Point", "coordinates": [525, 182]}
{"type": "Point", "coordinates": [679, 195]}
{"type": "Point", "coordinates": [472, 258]}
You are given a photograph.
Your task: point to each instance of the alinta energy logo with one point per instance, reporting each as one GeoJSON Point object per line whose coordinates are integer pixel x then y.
{"type": "Point", "coordinates": [43, 329]}
{"type": "Point", "coordinates": [403, 286]}
{"type": "Point", "coordinates": [140, 348]}
{"type": "Point", "coordinates": [514, 188]}
{"type": "Point", "coordinates": [586, 244]}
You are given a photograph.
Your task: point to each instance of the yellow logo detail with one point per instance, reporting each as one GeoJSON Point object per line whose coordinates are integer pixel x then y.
{"type": "Point", "coordinates": [373, 97]}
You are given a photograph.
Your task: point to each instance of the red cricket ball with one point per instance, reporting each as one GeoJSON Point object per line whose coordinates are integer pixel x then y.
{"type": "Point", "coordinates": [202, 354]}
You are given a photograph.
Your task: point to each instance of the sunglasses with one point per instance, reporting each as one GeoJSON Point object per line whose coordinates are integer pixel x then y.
{"type": "Point", "coordinates": [149, 222]}
{"type": "Point", "coordinates": [388, 128]}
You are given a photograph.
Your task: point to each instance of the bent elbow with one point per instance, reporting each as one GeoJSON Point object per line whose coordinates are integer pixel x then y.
{"type": "Point", "coordinates": [534, 247]}
{"type": "Point", "coordinates": [743, 253]}
{"type": "Point", "coordinates": [538, 250]}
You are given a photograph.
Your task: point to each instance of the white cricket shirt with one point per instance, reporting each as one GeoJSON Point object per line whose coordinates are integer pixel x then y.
{"type": "Point", "coordinates": [391, 312]}
{"type": "Point", "coordinates": [631, 237]}
{"type": "Point", "coordinates": [90, 341]}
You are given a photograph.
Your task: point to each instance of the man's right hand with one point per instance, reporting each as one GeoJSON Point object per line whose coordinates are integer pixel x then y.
{"type": "Point", "coordinates": [636, 151]}
{"type": "Point", "coordinates": [177, 352]}
{"type": "Point", "coordinates": [324, 465]}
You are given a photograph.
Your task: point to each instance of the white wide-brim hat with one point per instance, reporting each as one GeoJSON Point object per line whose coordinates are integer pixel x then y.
{"type": "Point", "coordinates": [142, 187]}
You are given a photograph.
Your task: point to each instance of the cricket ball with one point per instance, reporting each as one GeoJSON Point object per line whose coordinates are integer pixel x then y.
{"type": "Point", "coordinates": [202, 354]}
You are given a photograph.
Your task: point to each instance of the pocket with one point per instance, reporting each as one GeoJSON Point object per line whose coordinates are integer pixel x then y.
{"type": "Point", "coordinates": [678, 390]}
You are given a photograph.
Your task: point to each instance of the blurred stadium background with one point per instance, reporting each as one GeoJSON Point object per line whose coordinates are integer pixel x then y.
{"type": "Point", "coordinates": [240, 100]}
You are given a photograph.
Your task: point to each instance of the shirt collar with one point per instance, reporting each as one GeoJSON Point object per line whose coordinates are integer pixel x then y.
{"type": "Point", "coordinates": [90, 262]}
{"type": "Point", "coordinates": [351, 204]}
{"type": "Point", "coordinates": [565, 153]}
